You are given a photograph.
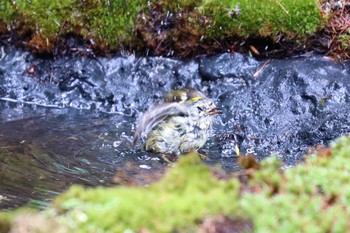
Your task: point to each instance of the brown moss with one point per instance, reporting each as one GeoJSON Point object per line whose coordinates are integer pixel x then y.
{"type": "Point", "coordinates": [35, 222]}
{"type": "Point", "coordinates": [42, 44]}
{"type": "Point", "coordinates": [3, 27]}
{"type": "Point", "coordinates": [223, 224]}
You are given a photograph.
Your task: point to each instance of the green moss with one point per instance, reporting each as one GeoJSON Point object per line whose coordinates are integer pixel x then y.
{"type": "Point", "coordinates": [47, 16]}
{"type": "Point", "coordinates": [263, 18]}
{"type": "Point", "coordinates": [185, 196]}
{"type": "Point", "coordinates": [113, 24]}
{"type": "Point", "coordinates": [294, 18]}
{"type": "Point", "coordinates": [113, 21]}
{"type": "Point", "coordinates": [344, 40]}
{"type": "Point", "coordinates": [294, 213]}
{"type": "Point", "coordinates": [7, 11]}
{"type": "Point", "coordinates": [311, 197]}
{"type": "Point", "coordinates": [109, 21]}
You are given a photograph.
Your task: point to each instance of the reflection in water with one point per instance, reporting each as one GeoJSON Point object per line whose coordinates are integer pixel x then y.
{"type": "Point", "coordinates": [43, 151]}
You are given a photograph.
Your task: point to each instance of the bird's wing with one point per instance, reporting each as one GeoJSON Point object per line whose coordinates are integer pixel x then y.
{"type": "Point", "coordinates": [154, 116]}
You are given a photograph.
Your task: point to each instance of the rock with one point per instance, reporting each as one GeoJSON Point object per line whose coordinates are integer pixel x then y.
{"type": "Point", "coordinates": [226, 65]}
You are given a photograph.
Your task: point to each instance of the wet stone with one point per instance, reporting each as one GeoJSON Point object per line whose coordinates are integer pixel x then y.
{"type": "Point", "coordinates": [227, 65]}
{"type": "Point", "coordinates": [71, 119]}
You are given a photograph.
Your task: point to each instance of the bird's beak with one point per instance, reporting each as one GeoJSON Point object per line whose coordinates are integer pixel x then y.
{"type": "Point", "coordinates": [214, 111]}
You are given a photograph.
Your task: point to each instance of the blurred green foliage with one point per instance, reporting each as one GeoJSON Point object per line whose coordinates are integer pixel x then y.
{"type": "Point", "coordinates": [186, 195]}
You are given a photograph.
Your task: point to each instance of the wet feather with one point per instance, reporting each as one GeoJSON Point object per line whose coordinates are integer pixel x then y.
{"type": "Point", "coordinates": [156, 115]}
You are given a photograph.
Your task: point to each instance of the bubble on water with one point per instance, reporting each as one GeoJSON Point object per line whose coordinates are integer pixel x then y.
{"type": "Point", "coordinates": [251, 151]}
{"type": "Point", "coordinates": [144, 166]}
{"type": "Point", "coordinates": [144, 157]}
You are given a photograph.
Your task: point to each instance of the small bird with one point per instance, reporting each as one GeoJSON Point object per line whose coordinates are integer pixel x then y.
{"type": "Point", "coordinates": [181, 123]}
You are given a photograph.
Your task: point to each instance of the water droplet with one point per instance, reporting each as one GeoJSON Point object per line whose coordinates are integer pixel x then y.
{"type": "Point", "coordinates": [116, 143]}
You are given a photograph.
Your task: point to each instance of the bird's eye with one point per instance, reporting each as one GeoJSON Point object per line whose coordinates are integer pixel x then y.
{"type": "Point", "coordinates": [200, 109]}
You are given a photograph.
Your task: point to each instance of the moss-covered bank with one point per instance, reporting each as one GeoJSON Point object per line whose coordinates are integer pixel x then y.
{"type": "Point", "coordinates": [311, 197]}
{"type": "Point", "coordinates": [162, 27]}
